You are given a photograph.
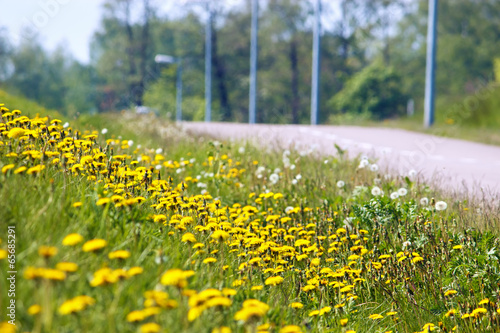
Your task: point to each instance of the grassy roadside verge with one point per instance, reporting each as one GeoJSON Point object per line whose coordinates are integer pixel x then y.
{"type": "Point", "coordinates": [263, 241]}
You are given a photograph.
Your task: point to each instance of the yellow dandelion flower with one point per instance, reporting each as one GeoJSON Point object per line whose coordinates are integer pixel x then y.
{"type": "Point", "coordinates": [458, 247]}
{"type": "Point", "coordinates": [150, 328]}
{"type": "Point", "coordinates": [484, 301]}
{"type": "Point", "coordinates": [274, 281]}
{"type": "Point", "coordinates": [218, 301]}
{"type": "Point", "coordinates": [176, 277]}
{"type": "Point", "coordinates": [314, 313]}
{"type": "Point", "coordinates": [16, 133]}
{"type": "Point", "coordinates": [291, 329]}
{"type": "Point", "coordinates": [34, 309]}
{"type": "Point", "coordinates": [228, 292]}
{"type": "Point", "coordinates": [103, 201]}
{"type": "Point", "coordinates": [136, 270]}
{"type": "Point", "coordinates": [478, 312]}
{"type": "Point", "coordinates": [220, 235]}
{"type": "Point", "coordinates": [252, 310]}
{"type": "Point", "coordinates": [450, 313]}
{"type": "Point", "coordinates": [135, 316]}
{"type": "Point", "coordinates": [376, 316]}
{"type": "Point", "coordinates": [296, 305]}
{"type": "Point", "coordinates": [209, 260]}
{"type": "Point", "coordinates": [76, 304]}
{"type": "Point", "coordinates": [188, 238]}
{"type": "Point", "coordinates": [324, 310]}
{"type": "Point", "coordinates": [77, 204]}
{"type": "Point", "coordinates": [67, 266]}
{"type": "Point", "coordinates": [72, 239]}
{"type": "Point", "coordinates": [36, 169]}
{"type": "Point", "coordinates": [343, 322]}
{"type": "Point", "coordinates": [20, 170]}
{"type": "Point", "coordinates": [47, 251]}
{"type": "Point", "coordinates": [450, 292]}
{"type": "Point", "coordinates": [3, 254]}
{"type": "Point", "coordinates": [94, 245]}
{"type": "Point", "coordinates": [120, 254]}
{"type": "Point", "coordinates": [7, 168]}
{"type": "Point", "coordinates": [53, 274]}
{"type": "Point", "coordinates": [6, 327]}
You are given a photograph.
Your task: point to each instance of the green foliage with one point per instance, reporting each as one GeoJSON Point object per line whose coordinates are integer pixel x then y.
{"type": "Point", "coordinates": [375, 90]}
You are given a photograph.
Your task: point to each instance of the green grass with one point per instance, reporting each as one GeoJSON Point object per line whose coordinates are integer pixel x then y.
{"type": "Point", "coordinates": [236, 176]}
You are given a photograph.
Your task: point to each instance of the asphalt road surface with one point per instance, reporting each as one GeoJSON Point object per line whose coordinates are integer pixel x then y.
{"type": "Point", "coordinates": [455, 165]}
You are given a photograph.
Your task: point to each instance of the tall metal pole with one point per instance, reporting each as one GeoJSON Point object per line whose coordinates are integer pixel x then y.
{"type": "Point", "coordinates": [178, 98]}
{"type": "Point", "coordinates": [208, 66]}
{"type": "Point", "coordinates": [431, 63]}
{"type": "Point", "coordinates": [315, 63]}
{"type": "Point", "coordinates": [252, 107]}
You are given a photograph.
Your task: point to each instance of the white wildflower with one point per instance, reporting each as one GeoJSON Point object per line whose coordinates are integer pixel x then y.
{"type": "Point", "coordinates": [363, 164]}
{"type": "Point", "coordinates": [402, 192]}
{"type": "Point", "coordinates": [159, 151]}
{"type": "Point", "coordinates": [376, 191]}
{"type": "Point", "coordinates": [66, 125]}
{"type": "Point", "coordinates": [406, 244]}
{"type": "Point", "coordinates": [274, 178]}
{"type": "Point", "coordinates": [158, 167]}
{"type": "Point", "coordinates": [241, 150]}
{"type": "Point", "coordinates": [441, 205]}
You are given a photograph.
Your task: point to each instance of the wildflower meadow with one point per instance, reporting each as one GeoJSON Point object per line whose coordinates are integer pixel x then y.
{"type": "Point", "coordinates": [126, 224]}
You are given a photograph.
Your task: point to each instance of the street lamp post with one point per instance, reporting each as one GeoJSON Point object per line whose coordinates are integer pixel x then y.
{"type": "Point", "coordinates": [316, 58]}
{"type": "Point", "coordinates": [430, 64]}
{"type": "Point", "coordinates": [252, 107]}
{"type": "Point", "coordinates": [166, 59]}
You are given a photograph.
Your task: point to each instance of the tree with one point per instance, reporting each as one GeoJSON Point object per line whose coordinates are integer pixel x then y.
{"type": "Point", "coordinates": [122, 52]}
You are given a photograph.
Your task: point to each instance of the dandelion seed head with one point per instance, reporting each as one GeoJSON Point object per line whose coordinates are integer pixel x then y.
{"type": "Point", "coordinates": [374, 167]}
{"type": "Point", "coordinates": [104, 131]}
{"type": "Point", "coordinates": [376, 191]}
{"type": "Point", "coordinates": [441, 205]}
{"type": "Point", "coordinates": [424, 201]}
{"type": "Point", "coordinates": [402, 192]}
{"type": "Point", "coordinates": [394, 195]}
{"type": "Point", "coordinates": [274, 178]}
{"type": "Point", "coordinates": [340, 184]}
{"type": "Point", "coordinates": [363, 164]}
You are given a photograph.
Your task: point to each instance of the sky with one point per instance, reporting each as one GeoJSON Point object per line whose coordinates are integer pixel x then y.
{"type": "Point", "coordinates": [70, 23]}
{"type": "Point", "coordinates": [67, 23]}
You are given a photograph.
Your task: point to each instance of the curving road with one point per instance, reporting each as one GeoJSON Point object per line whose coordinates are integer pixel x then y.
{"type": "Point", "coordinates": [463, 166]}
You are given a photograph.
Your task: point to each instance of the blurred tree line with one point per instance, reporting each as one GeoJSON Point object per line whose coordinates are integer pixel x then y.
{"type": "Point", "coordinates": [372, 59]}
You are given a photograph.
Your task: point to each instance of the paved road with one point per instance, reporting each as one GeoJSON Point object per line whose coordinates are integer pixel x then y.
{"type": "Point", "coordinates": [460, 165]}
